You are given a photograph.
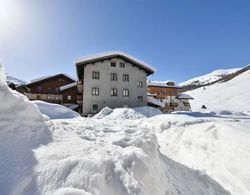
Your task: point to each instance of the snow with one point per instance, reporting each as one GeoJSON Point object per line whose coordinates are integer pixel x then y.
{"type": "Point", "coordinates": [46, 77]}
{"type": "Point", "coordinates": [211, 77]}
{"type": "Point", "coordinates": [55, 111]}
{"type": "Point", "coordinates": [217, 145]}
{"type": "Point", "coordinates": [232, 95]}
{"type": "Point", "coordinates": [123, 151]}
{"type": "Point", "coordinates": [115, 53]}
{"type": "Point", "coordinates": [22, 129]}
{"type": "Point", "coordinates": [155, 101]}
{"type": "Point", "coordinates": [15, 80]}
{"type": "Point", "coordinates": [68, 86]}
{"type": "Point", "coordinates": [162, 84]}
{"type": "Point", "coordinates": [127, 113]}
{"type": "Point", "coordinates": [184, 96]}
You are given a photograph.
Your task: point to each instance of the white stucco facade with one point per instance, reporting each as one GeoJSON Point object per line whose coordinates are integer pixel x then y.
{"type": "Point", "coordinates": [105, 84]}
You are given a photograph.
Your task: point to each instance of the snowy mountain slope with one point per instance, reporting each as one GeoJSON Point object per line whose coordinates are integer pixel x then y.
{"type": "Point", "coordinates": [217, 145]}
{"type": "Point", "coordinates": [233, 95]}
{"type": "Point", "coordinates": [209, 78]}
{"type": "Point", "coordinates": [14, 80]}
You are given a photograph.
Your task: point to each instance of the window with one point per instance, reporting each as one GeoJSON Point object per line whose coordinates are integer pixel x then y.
{"type": "Point", "coordinates": [122, 65]}
{"type": "Point", "coordinates": [113, 77]}
{"type": "Point", "coordinates": [125, 78]}
{"type": "Point", "coordinates": [140, 84]}
{"type": "Point", "coordinates": [125, 92]}
{"type": "Point", "coordinates": [113, 92]}
{"type": "Point", "coordinates": [95, 91]}
{"type": "Point", "coordinates": [95, 107]}
{"type": "Point", "coordinates": [140, 99]}
{"type": "Point", "coordinates": [56, 98]}
{"type": "Point", "coordinates": [49, 97]}
{"type": "Point", "coordinates": [113, 64]}
{"type": "Point", "coordinates": [69, 97]}
{"type": "Point", "coordinates": [39, 88]}
{"type": "Point", "coordinates": [95, 75]}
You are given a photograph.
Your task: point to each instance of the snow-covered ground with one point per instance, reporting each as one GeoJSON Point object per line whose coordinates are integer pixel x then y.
{"type": "Point", "coordinates": [233, 95]}
{"type": "Point", "coordinates": [86, 155]}
{"type": "Point", "coordinates": [122, 151]}
{"type": "Point", "coordinates": [55, 111]}
{"type": "Point", "coordinates": [208, 78]}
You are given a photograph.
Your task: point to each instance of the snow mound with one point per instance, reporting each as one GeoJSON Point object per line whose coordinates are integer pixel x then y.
{"type": "Point", "coordinates": [108, 157]}
{"type": "Point", "coordinates": [22, 129]}
{"type": "Point", "coordinates": [127, 113]}
{"type": "Point", "coordinates": [217, 145]}
{"type": "Point", "coordinates": [55, 111]}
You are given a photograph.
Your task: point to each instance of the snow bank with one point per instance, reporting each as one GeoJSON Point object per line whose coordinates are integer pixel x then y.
{"type": "Point", "coordinates": [55, 111]}
{"type": "Point", "coordinates": [22, 129]}
{"type": "Point", "coordinates": [127, 113]}
{"type": "Point", "coordinates": [217, 145]}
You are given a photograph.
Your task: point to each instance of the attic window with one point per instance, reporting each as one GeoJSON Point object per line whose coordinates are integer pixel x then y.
{"type": "Point", "coordinates": [170, 83]}
{"type": "Point", "coordinates": [113, 64]}
{"type": "Point", "coordinates": [122, 65]}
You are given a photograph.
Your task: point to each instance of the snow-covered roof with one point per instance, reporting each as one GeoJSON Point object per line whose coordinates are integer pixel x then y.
{"type": "Point", "coordinates": [184, 96]}
{"type": "Point", "coordinates": [50, 76]}
{"type": "Point", "coordinates": [101, 56]}
{"type": "Point", "coordinates": [163, 84]}
{"type": "Point", "coordinates": [155, 102]}
{"type": "Point", "coordinates": [151, 94]}
{"type": "Point", "coordinates": [68, 86]}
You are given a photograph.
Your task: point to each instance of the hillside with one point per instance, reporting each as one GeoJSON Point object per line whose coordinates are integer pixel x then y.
{"type": "Point", "coordinates": [228, 94]}
{"type": "Point", "coordinates": [216, 76]}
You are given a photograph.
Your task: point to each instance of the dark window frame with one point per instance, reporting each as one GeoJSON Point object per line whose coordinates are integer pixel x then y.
{"type": "Point", "coordinates": [113, 92]}
{"type": "Point", "coordinates": [140, 84]}
{"type": "Point", "coordinates": [122, 65]}
{"type": "Point", "coordinates": [125, 92]}
{"type": "Point", "coordinates": [125, 77]}
{"type": "Point", "coordinates": [113, 76]}
{"type": "Point", "coordinates": [95, 91]}
{"type": "Point", "coordinates": [95, 75]}
{"type": "Point", "coordinates": [140, 98]}
{"type": "Point", "coordinates": [113, 64]}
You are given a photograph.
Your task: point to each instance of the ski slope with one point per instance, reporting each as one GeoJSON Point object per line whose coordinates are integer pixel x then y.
{"type": "Point", "coordinates": [233, 95]}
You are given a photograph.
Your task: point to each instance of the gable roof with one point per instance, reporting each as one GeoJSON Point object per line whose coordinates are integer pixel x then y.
{"type": "Point", "coordinates": [107, 55]}
{"type": "Point", "coordinates": [35, 81]}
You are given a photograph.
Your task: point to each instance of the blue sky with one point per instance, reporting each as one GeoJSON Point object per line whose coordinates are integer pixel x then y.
{"type": "Point", "coordinates": [182, 39]}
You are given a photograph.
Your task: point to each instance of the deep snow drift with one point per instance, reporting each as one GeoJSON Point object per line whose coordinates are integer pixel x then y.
{"type": "Point", "coordinates": [55, 111]}
{"type": "Point", "coordinates": [217, 145]}
{"type": "Point", "coordinates": [22, 129]}
{"type": "Point", "coordinates": [127, 113]}
{"type": "Point", "coordinates": [233, 95]}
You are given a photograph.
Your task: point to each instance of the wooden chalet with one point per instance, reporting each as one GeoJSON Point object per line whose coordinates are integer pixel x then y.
{"type": "Point", "coordinates": [48, 89]}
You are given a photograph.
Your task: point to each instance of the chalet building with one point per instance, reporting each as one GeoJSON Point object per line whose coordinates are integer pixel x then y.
{"type": "Point", "coordinates": [48, 89]}
{"type": "Point", "coordinates": [164, 95]}
{"type": "Point", "coordinates": [113, 79]}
